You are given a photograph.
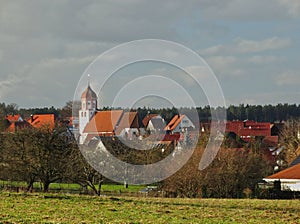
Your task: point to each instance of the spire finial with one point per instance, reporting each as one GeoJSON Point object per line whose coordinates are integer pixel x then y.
{"type": "Point", "coordinates": [88, 79]}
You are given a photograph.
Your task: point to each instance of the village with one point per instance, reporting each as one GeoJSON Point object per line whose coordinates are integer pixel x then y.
{"type": "Point", "coordinates": [93, 124]}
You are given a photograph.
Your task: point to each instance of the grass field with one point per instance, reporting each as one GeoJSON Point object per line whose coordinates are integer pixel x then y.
{"type": "Point", "coordinates": [60, 208]}
{"type": "Point", "coordinates": [67, 188]}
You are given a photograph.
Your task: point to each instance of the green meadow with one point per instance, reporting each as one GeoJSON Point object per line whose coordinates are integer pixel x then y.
{"type": "Point", "coordinates": [67, 208]}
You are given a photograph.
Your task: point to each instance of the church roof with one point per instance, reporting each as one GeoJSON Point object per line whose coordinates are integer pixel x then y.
{"type": "Point", "coordinates": [88, 93]}
{"type": "Point", "coordinates": [103, 122]}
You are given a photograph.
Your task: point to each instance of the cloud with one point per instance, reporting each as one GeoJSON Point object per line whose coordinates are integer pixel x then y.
{"type": "Point", "coordinates": [243, 46]}
{"type": "Point", "coordinates": [292, 6]}
{"type": "Point", "coordinates": [246, 46]}
{"type": "Point", "coordinates": [264, 59]}
{"type": "Point", "coordinates": [288, 78]}
{"type": "Point", "coordinates": [45, 46]}
{"type": "Point", "coordinates": [225, 66]}
{"type": "Point", "coordinates": [255, 10]}
{"type": "Point", "coordinates": [49, 82]}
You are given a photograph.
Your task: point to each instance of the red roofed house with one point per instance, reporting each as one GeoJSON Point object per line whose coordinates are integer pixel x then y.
{"type": "Point", "coordinates": [36, 121]}
{"type": "Point", "coordinates": [147, 118]}
{"type": "Point", "coordinates": [289, 178]}
{"type": "Point", "coordinates": [42, 120]}
{"type": "Point", "coordinates": [14, 122]}
{"type": "Point", "coordinates": [14, 118]}
{"type": "Point", "coordinates": [249, 129]}
{"type": "Point", "coordinates": [128, 126]}
{"type": "Point", "coordinates": [179, 123]}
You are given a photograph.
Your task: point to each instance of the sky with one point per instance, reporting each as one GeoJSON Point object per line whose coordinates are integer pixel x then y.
{"type": "Point", "coordinates": [252, 47]}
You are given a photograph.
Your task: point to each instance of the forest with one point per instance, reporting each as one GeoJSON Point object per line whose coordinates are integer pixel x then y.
{"type": "Point", "coordinates": [259, 113]}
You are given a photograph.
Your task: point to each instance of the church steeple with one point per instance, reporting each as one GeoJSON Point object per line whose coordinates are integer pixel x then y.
{"type": "Point", "coordinates": [88, 107]}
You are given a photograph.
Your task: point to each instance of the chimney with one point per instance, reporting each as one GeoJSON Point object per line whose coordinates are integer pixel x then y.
{"type": "Point", "coordinates": [31, 116]}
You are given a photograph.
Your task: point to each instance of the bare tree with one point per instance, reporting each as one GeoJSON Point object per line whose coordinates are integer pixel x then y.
{"type": "Point", "coordinates": [290, 140]}
{"type": "Point", "coordinates": [39, 154]}
{"type": "Point", "coordinates": [82, 173]}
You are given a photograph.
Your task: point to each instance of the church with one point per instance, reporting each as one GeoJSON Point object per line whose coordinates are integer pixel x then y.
{"type": "Point", "coordinates": [94, 122]}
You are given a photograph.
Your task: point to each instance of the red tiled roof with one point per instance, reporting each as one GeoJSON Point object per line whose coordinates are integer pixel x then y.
{"type": "Point", "coordinates": [42, 120]}
{"type": "Point", "coordinates": [128, 120]}
{"type": "Point", "coordinates": [11, 127]}
{"type": "Point", "coordinates": [174, 122]}
{"type": "Point", "coordinates": [103, 122]}
{"type": "Point", "coordinates": [17, 125]}
{"type": "Point", "coordinates": [13, 118]}
{"type": "Point", "coordinates": [147, 118]}
{"type": "Point", "coordinates": [289, 173]}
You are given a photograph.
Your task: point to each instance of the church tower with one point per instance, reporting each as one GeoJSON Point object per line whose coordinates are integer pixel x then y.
{"type": "Point", "coordinates": [88, 107]}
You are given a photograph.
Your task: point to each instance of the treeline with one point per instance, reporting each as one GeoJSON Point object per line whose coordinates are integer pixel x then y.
{"type": "Point", "coordinates": [260, 113]}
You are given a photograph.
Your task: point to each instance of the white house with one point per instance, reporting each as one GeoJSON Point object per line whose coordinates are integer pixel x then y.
{"type": "Point", "coordinates": [179, 123]}
{"type": "Point", "coordinates": [289, 178]}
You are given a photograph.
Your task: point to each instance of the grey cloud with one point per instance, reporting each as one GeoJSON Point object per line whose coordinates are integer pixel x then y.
{"type": "Point", "coordinates": [46, 45]}
{"type": "Point", "coordinates": [241, 46]}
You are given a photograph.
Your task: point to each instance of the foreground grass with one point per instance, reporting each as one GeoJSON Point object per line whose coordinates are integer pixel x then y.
{"type": "Point", "coordinates": [59, 208]}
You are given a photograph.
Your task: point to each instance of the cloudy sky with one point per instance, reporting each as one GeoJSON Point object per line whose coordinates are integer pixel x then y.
{"type": "Point", "coordinates": [253, 46]}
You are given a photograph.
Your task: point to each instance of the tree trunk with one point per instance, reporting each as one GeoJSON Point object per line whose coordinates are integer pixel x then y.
{"type": "Point", "coordinates": [46, 185]}
{"type": "Point", "coordinates": [29, 186]}
{"type": "Point", "coordinates": [100, 185]}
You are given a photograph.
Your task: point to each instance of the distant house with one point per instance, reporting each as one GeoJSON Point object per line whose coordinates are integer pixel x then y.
{"type": "Point", "coordinates": [179, 123]}
{"type": "Point", "coordinates": [42, 120]}
{"type": "Point", "coordinates": [289, 178]}
{"type": "Point", "coordinates": [156, 125]}
{"type": "Point", "coordinates": [248, 130]}
{"type": "Point", "coordinates": [128, 126]}
{"type": "Point", "coordinates": [147, 118]}
{"type": "Point", "coordinates": [37, 121]}
{"type": "Point", "coordinates": [14, 118]}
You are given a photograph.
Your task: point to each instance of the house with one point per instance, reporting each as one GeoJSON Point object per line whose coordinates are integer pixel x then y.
{"type": "Point", "coordinates": [289, 178]}
{"type": "Point", "coordinates": [156, 125]}
{"type": "Point", "coordinates": [128, 126]}
{"type": "Point", "coordinates": [37, 121]}
{"type": "Point", "coordinates": [14, 118]}
{"type": "Point", "coordinates": [41, 120]}
{"type": "Point", "coordinates": [147, 118]}
{"type": "Point", "coordinates": [14, 122]}
{"type": "Point", "coordinates": [248, 130]}
{"type": "Point", "coordinates": [179, 123]}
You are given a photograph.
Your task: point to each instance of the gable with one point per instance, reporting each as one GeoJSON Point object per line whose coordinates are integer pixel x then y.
{"type": "Point", "coordinates": [128, 120]}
